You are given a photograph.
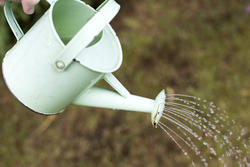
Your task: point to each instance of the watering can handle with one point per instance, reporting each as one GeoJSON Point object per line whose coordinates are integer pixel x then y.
{"type": "Point", "coordinates": [16, 29]}
{"type": "Point", "coordinates": [51, 1]}
{"type": "Point", "coordinates": [105, 13]}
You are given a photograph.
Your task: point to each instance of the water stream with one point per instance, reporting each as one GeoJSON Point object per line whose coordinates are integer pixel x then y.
{"type": "Point", "coordinates": [204, 132]}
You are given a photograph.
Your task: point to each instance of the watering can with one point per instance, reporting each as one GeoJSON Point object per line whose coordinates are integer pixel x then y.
{"type": "Point", "coordinates": [66, 52]}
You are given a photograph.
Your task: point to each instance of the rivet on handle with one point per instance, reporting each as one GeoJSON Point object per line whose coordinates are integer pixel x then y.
{"type": "Point", "coordinates": [60, 65]}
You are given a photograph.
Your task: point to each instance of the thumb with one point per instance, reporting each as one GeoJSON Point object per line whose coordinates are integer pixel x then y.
{"type": "Point", "coordinates": [29, 6]}
{"type": "Point", "coordinates": [1, 2]}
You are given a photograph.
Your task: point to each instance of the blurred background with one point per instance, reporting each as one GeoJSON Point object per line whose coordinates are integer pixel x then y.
{"type": "Point", "coordinates": [195, 47]}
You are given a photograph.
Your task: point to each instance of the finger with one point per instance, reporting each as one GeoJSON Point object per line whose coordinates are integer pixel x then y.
{"type": "Point", "coordinates": [29, 6]}
{"type": "Point", "coordinates": [1, 2]}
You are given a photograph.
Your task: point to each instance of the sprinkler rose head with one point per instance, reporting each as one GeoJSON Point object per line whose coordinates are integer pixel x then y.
{"type": "Point", "coordinates": [158, 108]}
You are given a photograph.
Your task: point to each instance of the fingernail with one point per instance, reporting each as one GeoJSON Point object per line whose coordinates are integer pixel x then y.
{"type": "Point", "coordinates": [29, 10]}
{"type": "Point", "coordinates": [1, 3]}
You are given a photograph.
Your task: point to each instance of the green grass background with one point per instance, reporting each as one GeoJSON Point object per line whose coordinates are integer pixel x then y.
{"type": "Point", "coordinates": [196, 47]}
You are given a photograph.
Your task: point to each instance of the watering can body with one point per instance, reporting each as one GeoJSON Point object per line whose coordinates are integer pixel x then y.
{"type": "Point", "coordinates": [29, 67]}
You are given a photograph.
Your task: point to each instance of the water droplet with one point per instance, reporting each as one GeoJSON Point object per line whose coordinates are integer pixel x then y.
{"type": "Point", "coordinates": [215, 138]}
{"type": "Point", "coordinates": [197, 152]}
{"type": "Point", "coordinates": [205, 120]}
{"type": "Point", "coordinates": [213, 151]}
{"type": "Point", "coordinates": [209, 126]}
{"type": "Point", "coordinates": [243, 131]}
{"type": "Point", "coordinates": [213, 127]}
{"type": "Point", "coordinates": [217, 131]}
{"type": "Point", "coordinates": [211, 110]}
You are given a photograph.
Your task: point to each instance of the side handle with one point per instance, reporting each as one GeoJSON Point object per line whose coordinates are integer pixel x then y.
{"type": "Point", "coordinates": [16, 29]}
{"type": "Point", "coordinates": [14, 26]}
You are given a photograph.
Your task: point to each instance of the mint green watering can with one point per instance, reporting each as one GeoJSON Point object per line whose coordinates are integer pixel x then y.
{"type": "Point", "coordinates": [60, 59]}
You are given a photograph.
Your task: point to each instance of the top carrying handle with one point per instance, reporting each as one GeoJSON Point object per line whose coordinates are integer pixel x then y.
{"type": "Point", "coordinates": [105, 13]}
{"type": "Point", "coordinates": [16, 29]}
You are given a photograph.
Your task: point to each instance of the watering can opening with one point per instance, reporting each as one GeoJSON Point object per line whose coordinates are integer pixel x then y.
{"type": "Point", "coordinates": [103, 53]}
{"type": "Point", "coordinates": [69, 17]}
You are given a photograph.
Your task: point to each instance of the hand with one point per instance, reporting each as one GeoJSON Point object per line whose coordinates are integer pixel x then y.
{"type": "Point", "coordinates": [28, 5]}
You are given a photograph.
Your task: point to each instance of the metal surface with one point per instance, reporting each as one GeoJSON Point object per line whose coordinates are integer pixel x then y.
{"type": "Point", "coordinates": [60, 59]}
{"type": "Point", "coordinates": [103, 98]}
{"type": "Point", "coordinates": [28, 68]}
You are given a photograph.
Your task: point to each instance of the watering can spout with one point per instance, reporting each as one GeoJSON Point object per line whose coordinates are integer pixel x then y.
{"type": "Point", "coordinates": [103, 98]}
